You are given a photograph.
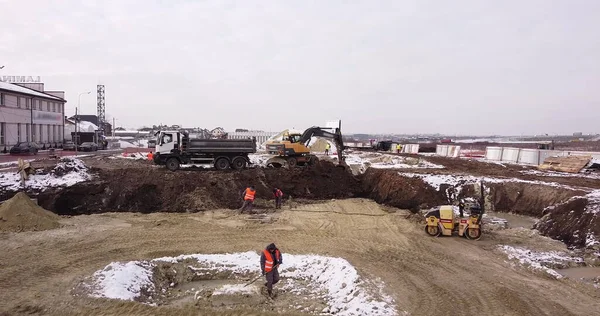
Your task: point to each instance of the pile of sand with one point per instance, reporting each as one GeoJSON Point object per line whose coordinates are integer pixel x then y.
{"type": "Point", "coordinates": [20, 213]}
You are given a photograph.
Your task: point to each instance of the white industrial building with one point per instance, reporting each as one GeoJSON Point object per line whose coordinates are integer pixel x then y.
{"type": "Point", "coordinates": [261, 136]}
{"type": "Point", "coordinates": [28, 113]}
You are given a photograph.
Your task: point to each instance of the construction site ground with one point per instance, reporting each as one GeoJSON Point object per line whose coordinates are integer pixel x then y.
{"type": "Point", "coordinates": [40, 270]}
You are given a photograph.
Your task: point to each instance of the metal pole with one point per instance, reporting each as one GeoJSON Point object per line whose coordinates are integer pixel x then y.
{"type": "Point", "coordinates": [77, 120]}
{"type": "Point", "coordinates": [76, 134]}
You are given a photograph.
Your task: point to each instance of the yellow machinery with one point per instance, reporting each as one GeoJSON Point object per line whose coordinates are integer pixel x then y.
{"type": "Point", "coordinates": [444, 222]}
{"type": "Point", "coordinates": [294, 149]}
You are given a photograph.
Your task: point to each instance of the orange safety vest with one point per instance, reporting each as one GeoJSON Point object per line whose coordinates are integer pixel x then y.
{"type": "Point", "coordinates": [269, 260]}
{"type": "Point", "coordinates": [150, 156]}
{"type": "Point", "coordinates": [249, 195]}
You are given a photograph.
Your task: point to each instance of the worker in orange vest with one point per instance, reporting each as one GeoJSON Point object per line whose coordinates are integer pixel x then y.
{"type": "Point", "coordinates": [270, 259]}
{"type": "Point", "coordinates": [278, 195]}
{"type": "Point", "coordinates": [150, 156]}
{"type": "Point", "coordinates": [248, 196]}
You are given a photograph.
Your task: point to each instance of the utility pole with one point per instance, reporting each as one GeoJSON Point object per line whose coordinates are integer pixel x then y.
{"type": "Point", "coordinates": [76, 133]}
{"type": "Point", "coordinates": [113, 129]}
{"type": "Point", "coordinates": [76, 142]}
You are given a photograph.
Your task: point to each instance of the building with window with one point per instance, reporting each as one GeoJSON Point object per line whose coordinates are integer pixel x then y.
{"type": "Point", "coordinates": [28, 113]}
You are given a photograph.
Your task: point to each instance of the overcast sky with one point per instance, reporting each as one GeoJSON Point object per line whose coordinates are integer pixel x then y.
{"type": "Point", "coordinates": [466, 67]}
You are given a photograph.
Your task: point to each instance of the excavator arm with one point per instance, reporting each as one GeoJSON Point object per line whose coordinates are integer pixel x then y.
{"type": "Point", "coordinates": [325, 132]}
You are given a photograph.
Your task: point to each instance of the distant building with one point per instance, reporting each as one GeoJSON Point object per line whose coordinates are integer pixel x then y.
{"type": "Point", "coordinates": [577, 134]}
{"type": "Point", "coordinates": [261, 136]}
{"type": "Point", "coordinates": [94, 120]}
{"type": "Point", "coordinates": [29, 113]}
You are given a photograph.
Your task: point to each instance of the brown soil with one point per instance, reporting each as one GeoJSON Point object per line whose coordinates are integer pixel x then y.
{"type": "Point", "coordinates": [20, 213]}
{"type": "Point", "coordinates": [156, 189]}
{"type": "Point", "coordinates": [389, 188]}
{"type": "Point", "coordinates": [570, 223]}
{"type": "Point", "coordinates": [527, 199]}
{"type": "Point", "coordinates": [416, 269]}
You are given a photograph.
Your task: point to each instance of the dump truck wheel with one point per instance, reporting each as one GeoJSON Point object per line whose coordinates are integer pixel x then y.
{"type": "Point", "coordinates": [313, 160]}
{"type": "Point", "coordinates": [473, 233]}
{"type": "Point", "coordinates": [433, 230]}
{"type": "Point", "coordinates": [172, 164]}
{"type": "Point", "coordinates": [239, 163]}
{"type": "Point", "coordinates": [292, 162]}
{"type": "Point", "coordinates": [221, 164]}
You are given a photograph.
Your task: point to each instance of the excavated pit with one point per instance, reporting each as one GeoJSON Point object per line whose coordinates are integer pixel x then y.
{"type": "Point", "coordinates": [153, 190]}
{"type": "Point", "coordinates": [150, 190]}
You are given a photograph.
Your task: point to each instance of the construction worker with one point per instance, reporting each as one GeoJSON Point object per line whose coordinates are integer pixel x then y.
{"type": "Point", "coordinates": [150, 156]}
{"type": "Point", "coordinates": [278, 195]}
{"type": "Point", "coordinates": [248, 196]}
{"type": "Point", "coordinates": [398, 148]}
{"type": "Point", "coordinates": [270, 259]}
{"type": "Point", "coordinates": [327, 148]}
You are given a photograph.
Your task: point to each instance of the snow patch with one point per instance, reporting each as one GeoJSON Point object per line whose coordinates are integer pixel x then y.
{"type": "Point", "coordinates": [363, 161]}
{"type": "Point", "coordinates": [234, 289]}
{"type": "Point", "coordinates": [436, 180]}
{"type": "Point", "coordinates": [67, 172]}
{"type": "Point", "coordinates": [345, 292]}
{"type": "Point", "coordinates": [542, 261]}
{"type": "Point", "coordinates": [123, 281]}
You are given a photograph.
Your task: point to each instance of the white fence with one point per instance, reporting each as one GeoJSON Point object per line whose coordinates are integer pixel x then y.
{"type": "Point", "coordinates": [447, 150]}
{"type": "Point", "coordinates": [406, 148]}
{"type": "Point", "coordinates": [530, 156]}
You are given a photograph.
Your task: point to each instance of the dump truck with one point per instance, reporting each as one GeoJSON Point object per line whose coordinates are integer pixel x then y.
{"type": "Point", "coordinates": [175, 148]}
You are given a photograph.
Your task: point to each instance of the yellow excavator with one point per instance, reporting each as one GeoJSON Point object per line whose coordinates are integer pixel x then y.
{"type": "Point", "coordinates": [293, 150]}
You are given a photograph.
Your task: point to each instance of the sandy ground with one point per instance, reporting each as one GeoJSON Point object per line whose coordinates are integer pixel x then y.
{"type": "Point", "coordinates": [425, 275]}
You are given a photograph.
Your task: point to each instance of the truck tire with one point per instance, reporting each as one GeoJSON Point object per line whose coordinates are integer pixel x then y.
{"type": "Point", "coordinates": [239, 163]}
{"type": "Point", "coordinates": [172, 164]}
{"type": "Point", "coordinates": [222, 164]}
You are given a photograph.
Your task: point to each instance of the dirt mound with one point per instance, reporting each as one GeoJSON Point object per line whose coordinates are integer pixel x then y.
{"type": "Point", "coordinates": [576, 222]}
{"type": "Point", "coordinates": [527, 199]}
{"type": "Point", "coordinates": [390, 188]}
{"type": "Point", "coordinates": [411, 192]}
{"type": "Point", "coordinates": [151, 190]}
{"type": "Point", "coordinates": [20, 213]}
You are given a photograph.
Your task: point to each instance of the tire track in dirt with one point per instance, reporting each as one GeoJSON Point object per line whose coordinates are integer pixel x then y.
{"type": "Point", "coordinates": [426, 276]}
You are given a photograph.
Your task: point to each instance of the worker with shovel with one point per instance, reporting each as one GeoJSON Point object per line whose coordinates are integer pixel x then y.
{"type": "Point", "coordinates": [270, 259]}
{"type": "Point", "coordinates": [248, 196]}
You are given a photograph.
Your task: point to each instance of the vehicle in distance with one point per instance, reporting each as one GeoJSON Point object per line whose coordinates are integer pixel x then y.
{"type": "Point", "coordinates": [69, 145]}
{"type": "Point", "coordinates": [88, 146]}
{"type": "Point", "coordinates": [22, 148]}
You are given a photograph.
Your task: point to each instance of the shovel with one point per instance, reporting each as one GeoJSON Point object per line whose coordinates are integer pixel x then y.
{"type": "Point", "coordinates": [258, 277]}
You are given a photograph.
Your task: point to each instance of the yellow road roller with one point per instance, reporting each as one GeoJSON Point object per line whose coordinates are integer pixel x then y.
{"type": "Point", "coordinates": [443, 221]}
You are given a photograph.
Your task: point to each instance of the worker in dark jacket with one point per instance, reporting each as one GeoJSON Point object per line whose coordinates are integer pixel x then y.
{"type": "Point", "coordinates": [270, 259]}
{"type": "Point", "coordinates": [278, 195]}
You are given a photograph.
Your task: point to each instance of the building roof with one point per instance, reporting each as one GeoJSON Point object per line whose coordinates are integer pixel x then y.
{"type": "Point", "coordinates": [20, 89]}
{"type": "Point", "coordinates": [88, 118]}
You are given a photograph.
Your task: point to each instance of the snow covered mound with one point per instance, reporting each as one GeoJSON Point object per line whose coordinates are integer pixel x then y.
{"type": "Point", "coordinates": [334, 280]}
{"type": "Point", "coordinates": [542, 261]}
{"type": "Point", "coordinates": [361, 161]}
{"type": "Point", "coordinates": [67, 172]}
{"type": "Point", "coordinates": [437, 180]}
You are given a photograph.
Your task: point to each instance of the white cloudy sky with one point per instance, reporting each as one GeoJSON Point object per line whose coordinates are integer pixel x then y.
{"type": "Point", "coordinates": [478, 67]}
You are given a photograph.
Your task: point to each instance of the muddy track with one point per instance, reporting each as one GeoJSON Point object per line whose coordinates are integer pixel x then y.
{"type": "Point", "coordinates": [456, 274]}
